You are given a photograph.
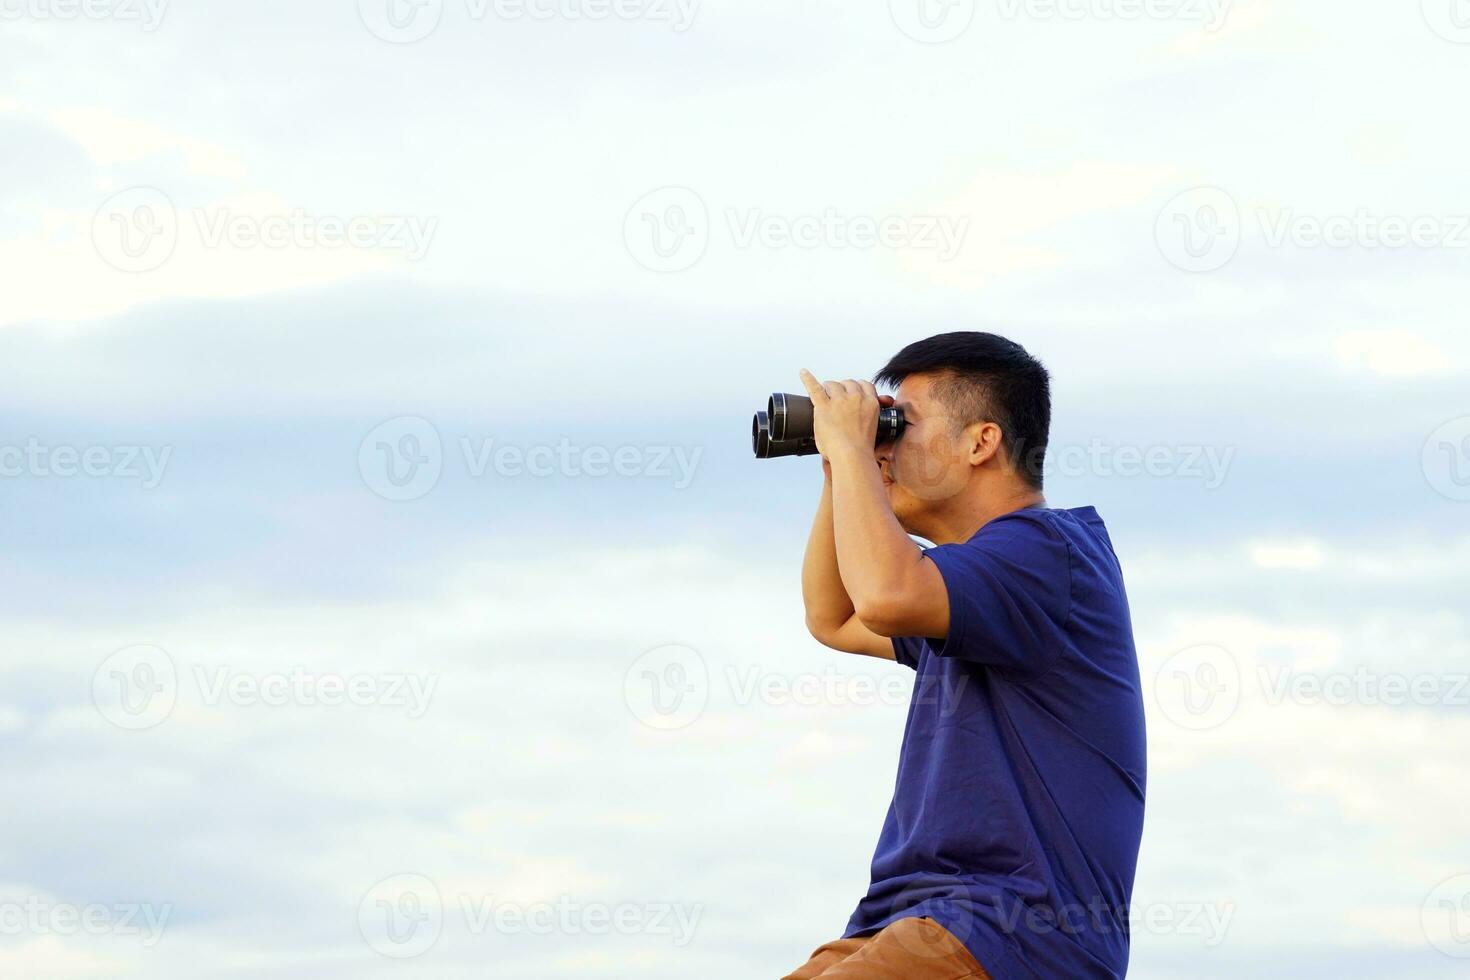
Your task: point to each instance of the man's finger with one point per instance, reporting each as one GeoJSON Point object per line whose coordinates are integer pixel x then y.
{"type": "Point", "coordinates": [814, 388]}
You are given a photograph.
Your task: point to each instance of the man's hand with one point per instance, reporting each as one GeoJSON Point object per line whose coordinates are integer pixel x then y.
{"type": "Point", "coordinates": [844, 415]}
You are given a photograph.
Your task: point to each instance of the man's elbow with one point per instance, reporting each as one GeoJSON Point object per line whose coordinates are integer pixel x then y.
{"type": "Point", "coordinates": [885, 615]}
{"type": "Point", "coordinates": [823, 631]}
{"type": "Point", "coordinates": [913, 605]}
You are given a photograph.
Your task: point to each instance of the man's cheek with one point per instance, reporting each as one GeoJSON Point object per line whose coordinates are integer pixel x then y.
{"type": "Point", "coordinates": [929, 471]}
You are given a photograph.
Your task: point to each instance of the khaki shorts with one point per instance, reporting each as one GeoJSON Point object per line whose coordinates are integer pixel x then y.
{"type": "Point", "coordinates": [909, 949]}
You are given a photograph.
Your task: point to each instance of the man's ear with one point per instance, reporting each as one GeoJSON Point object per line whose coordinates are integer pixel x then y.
{"type": "Point", "coordinates": [983, 440]}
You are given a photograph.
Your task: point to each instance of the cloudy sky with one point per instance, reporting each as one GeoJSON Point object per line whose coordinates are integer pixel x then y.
{"type": "Point", "coordinates": [387, 589]}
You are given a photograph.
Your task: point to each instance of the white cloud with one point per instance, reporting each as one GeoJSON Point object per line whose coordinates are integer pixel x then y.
{"type": "Point", "coordinates": [1394, 353]}
{"type": "Point", "coordinates": [112, 140]}
{"type": "Point", "coordinates": [1301, 555]}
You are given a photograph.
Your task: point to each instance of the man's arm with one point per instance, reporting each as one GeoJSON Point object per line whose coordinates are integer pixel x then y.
{"type": "Point", "coordinates": [830, 615]}
{"type": "Point", "coordinates": [894, 589]}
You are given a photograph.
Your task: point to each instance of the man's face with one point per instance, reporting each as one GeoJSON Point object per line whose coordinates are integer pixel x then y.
{"type": "Point", "coordinates": [929, 464]}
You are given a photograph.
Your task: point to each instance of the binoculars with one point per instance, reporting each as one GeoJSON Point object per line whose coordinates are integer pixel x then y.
{"type": "Point", "coordinates": [785, 427]}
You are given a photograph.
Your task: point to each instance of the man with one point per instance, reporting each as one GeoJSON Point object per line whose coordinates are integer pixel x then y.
{"type": "Point", "coordinates": [1009, 849]}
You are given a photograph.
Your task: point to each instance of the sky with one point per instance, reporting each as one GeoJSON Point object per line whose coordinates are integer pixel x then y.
{"type": "Point", "coordinates": [387, 588]}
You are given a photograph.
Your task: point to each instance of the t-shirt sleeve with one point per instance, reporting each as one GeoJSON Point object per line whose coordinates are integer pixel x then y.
{"type": "Point", "coordinates": [907, 650]}
{"type": "Point", "coordinates": [1010, 592]}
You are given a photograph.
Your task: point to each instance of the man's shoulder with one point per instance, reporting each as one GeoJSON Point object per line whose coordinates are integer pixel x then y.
{"type": "Point", "coordinates": [1030, 523]}
{"type": "Point", "coordinates": [1078, 527]}
{"type": "Point", "coordinates": [1043, 542]}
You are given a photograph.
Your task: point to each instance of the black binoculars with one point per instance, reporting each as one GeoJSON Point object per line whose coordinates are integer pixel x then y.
{"type": "Point", "coordinates": [785, 427]}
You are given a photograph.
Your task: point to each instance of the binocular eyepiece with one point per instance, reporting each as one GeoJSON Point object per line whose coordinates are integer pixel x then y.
{"type": "Point", "coordinates": [785, 427]}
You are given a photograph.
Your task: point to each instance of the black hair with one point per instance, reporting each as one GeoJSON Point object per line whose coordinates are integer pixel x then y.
{"type": "Point", "coordinates": [986, 378]}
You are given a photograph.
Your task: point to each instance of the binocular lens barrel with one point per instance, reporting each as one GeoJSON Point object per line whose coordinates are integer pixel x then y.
{"type": "Point", "coordinates": [769, 448]}
{"type": "Point", "coordinates": [789, 413]}
{"type": "Point", "coordinates": [785, 427]}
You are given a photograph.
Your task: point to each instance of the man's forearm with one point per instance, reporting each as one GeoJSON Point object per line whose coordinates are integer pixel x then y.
{"type": "Point", "coordinates": [875, 556]}
{"type": "Point", "coordinates": [828, 606]}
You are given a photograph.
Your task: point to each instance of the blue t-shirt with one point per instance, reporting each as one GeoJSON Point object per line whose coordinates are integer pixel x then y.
{"type": "Point", "coordinates": [1018, 808]}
